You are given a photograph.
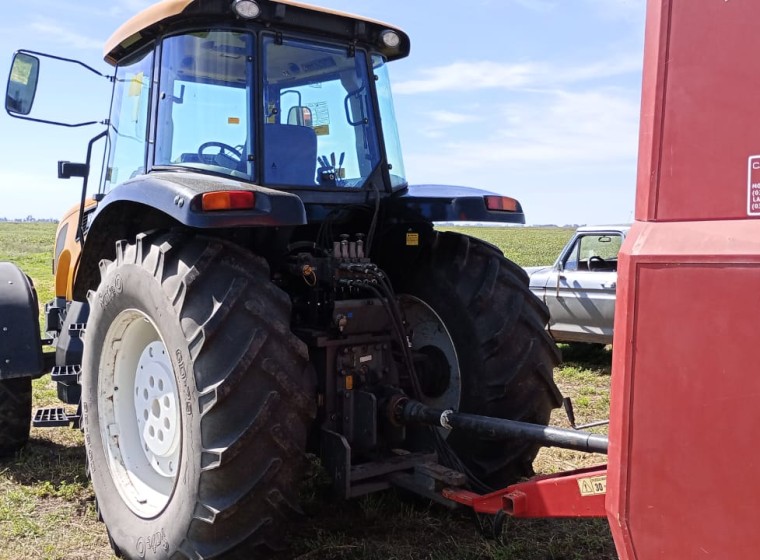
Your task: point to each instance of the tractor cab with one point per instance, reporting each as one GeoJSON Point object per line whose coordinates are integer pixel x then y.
{"type": "Point", "coordinates": [246, 103]}
{"type": "Point", "coordinates": [272, 93]}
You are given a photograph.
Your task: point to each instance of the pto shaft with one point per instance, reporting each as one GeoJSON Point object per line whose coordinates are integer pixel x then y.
{"type": "Point", "coordinates": [410, 411]}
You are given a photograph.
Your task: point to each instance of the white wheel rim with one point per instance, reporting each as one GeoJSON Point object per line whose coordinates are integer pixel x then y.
{"type": "Point", "coordinates": [138, 410]}
{"type": "Point", "coordinates": [156, 408]}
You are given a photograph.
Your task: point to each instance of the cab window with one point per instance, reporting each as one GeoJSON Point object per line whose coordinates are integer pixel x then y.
{"type": "Point", "coordinates": [320, 129]}
{"type": "Point", "coordinates": [204, 119]}
{"type": "Point", "coordinates": [129, 121]}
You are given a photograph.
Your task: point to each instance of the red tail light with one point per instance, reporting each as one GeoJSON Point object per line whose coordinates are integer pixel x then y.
{"type": "Point", "coordinates": [501, 204]}
{"type": "Point", "coordinates": [228, 200]}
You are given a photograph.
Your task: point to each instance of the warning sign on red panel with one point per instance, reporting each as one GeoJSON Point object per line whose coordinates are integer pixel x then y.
{"type": "Point", "coordinates": [753, 204]}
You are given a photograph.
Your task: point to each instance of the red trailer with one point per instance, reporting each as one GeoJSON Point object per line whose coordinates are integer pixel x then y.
{"type": "Point", "coordinates": [683, 458]}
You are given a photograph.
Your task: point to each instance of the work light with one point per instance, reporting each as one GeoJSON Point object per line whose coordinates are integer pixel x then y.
{"type": "Point", "coordinates": [390, 39]}
{"type": "Point", "coordinates": [246, 9]}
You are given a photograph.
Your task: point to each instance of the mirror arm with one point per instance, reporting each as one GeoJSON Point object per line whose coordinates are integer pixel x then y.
{"type": "Point", "coordinates": [63, 59]}
{"type": "Point", "coordinates": [85, 180]}
{"type": "Point", "coordinates": [56, 123]}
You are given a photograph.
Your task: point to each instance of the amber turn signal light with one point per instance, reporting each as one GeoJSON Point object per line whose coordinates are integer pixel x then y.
{"type": "Point", "coordinates": [228, 200]}
{"type": "Point", "coordinates": [501, 203]}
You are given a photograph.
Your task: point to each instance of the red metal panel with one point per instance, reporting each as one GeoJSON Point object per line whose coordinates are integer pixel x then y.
{"type": "Point", "coordinates": [701, 86]}
{"type": "Point", "coordinates": [577, 493]}
{"type": "Point", "coordinates": [683, 457]}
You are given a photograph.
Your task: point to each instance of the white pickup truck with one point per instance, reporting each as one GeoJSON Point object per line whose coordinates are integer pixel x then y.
{"type": "Point", "coordinates": [579, 288]}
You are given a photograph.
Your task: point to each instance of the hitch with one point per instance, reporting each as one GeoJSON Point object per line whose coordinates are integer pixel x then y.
{"type": "Point", "coordinates": [578, 493]}
{"type": "Point", "coordinates": [406, 411]}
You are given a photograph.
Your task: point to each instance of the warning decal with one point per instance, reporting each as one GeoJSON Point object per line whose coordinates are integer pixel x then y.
{"type": "Point", "coordinates": [412, 239]}
{"type": "Point", "coordinates": [593, 486]}
{"type": "Point", "coordinates": [753, 186]}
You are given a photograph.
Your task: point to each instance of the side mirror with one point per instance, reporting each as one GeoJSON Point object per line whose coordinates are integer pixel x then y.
{"type": "Point", "coordinates": [300, 115]}
{"type": "Point", "coordinates": [22, 84]}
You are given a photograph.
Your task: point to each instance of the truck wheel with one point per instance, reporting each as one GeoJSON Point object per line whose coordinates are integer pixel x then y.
{"type": "Point", "coordinates": [15, 414]}
{"type": "Point", "coordinates": [504, 359]}
{"type": "Point", "coordinates": [196, 400]}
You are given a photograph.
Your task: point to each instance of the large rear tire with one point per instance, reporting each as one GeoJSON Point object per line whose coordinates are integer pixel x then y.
{"type": "Point", "coordinates": [15, 414]}
{"type": "Point", "coordinates": [505, 357]}
{"type": "Point", "coordinates": [196, 400]}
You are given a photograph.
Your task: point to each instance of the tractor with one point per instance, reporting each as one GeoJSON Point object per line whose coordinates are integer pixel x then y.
{"type": "Point", "coordinates": [253, 279]}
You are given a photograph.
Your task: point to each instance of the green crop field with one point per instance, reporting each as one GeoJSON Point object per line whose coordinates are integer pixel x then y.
{"type": "Point", "coordinates": [47, 508]}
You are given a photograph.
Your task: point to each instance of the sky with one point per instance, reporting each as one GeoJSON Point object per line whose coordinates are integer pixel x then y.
{"type": "Point", "coordinates": [534, 99]}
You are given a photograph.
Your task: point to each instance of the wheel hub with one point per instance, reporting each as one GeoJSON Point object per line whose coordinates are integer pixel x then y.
{"type": "Point", "coordinates": [437, 357]}
{"type": "Point", "coordinates": [156, 409]}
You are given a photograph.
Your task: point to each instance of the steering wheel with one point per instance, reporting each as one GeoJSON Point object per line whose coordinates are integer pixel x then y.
{"type": "Point", "coordinates": [596, 262]}
{"type": "Point", "coordinates": [222, 158]}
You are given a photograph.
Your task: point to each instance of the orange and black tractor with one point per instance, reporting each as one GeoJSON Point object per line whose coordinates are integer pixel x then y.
{"type": "Point", "coordinates": [253, 278]}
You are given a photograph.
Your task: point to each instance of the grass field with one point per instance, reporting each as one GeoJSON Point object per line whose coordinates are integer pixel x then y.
{"type": "Point", "coordinates": [47, 506]}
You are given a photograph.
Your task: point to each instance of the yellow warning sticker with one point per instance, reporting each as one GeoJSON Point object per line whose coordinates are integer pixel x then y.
{"type": "Point", "coordinates": [233, 120]}
{"type": "Point", "coordinates": [21, 71]}
{"type": "Point", "coordinates": [412, 239]}
{"type": "Point", "coordinates": [136, 85]}
{"type": "Point", "coordinates": [322, 130]}
{"type": "Point", "coordinates": [593, 485]}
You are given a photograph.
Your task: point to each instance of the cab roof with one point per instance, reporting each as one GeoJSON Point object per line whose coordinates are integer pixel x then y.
{"type": "Point", "coordinates": [280, 14]}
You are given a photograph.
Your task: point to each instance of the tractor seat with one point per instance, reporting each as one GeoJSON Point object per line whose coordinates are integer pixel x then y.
{"type": "Point", "coordinates": [290, 155]}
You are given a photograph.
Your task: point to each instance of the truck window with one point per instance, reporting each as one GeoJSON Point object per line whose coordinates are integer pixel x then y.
{"type": "Point", "coordinates": [129, 121]}
{"type": "Point", "coordinates": [604, 247]}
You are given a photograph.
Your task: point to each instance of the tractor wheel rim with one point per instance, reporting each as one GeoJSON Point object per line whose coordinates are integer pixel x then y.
{"type": "Point", "coordinates": [428, 331]}
{"type": "Point", "coordinates": [156, 409]}
{"type": "Point", "coordinates": [138, 407]}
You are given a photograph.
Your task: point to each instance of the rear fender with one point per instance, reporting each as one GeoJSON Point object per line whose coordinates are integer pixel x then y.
{"type": "Point", "coordinates": [170, 199]}
{"type": "Point", "coordinates": [178, 194]}
{"type": "Point", "coordinates": [20, 343]}
{"type": "Point", "coordinates": [442, 203]}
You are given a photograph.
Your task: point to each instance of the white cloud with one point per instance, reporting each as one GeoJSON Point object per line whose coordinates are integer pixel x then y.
{"type": "Point", "coordinates": [466, 76]}
{"type": "Point", "coordinates": [607, 68]}
{"type": "Point", "coordinates": [443, 117]}
{"type": "Point", "coordinates": [470, 76]}
{"type": "Point", "coordinates": [63, 35]}
{"type": "Point", "coordinates": [561, 129]}
{"type": "Point", "coordinates": [437, 123]}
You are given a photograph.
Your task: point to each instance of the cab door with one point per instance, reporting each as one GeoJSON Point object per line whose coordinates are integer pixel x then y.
{"type": "Point", "coordinates": [580, 293]}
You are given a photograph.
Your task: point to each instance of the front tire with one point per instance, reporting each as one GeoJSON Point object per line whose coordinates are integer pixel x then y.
{"type": "Point", "coordinates": [15, 414]}
{"type": "Point", "coordinates": [196, 400]}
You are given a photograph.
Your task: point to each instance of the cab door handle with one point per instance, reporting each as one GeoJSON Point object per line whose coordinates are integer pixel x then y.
{"type": "Point", "coordinates": [609, 285]}
{"type": "Point", "coordinates": [560, 276]}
